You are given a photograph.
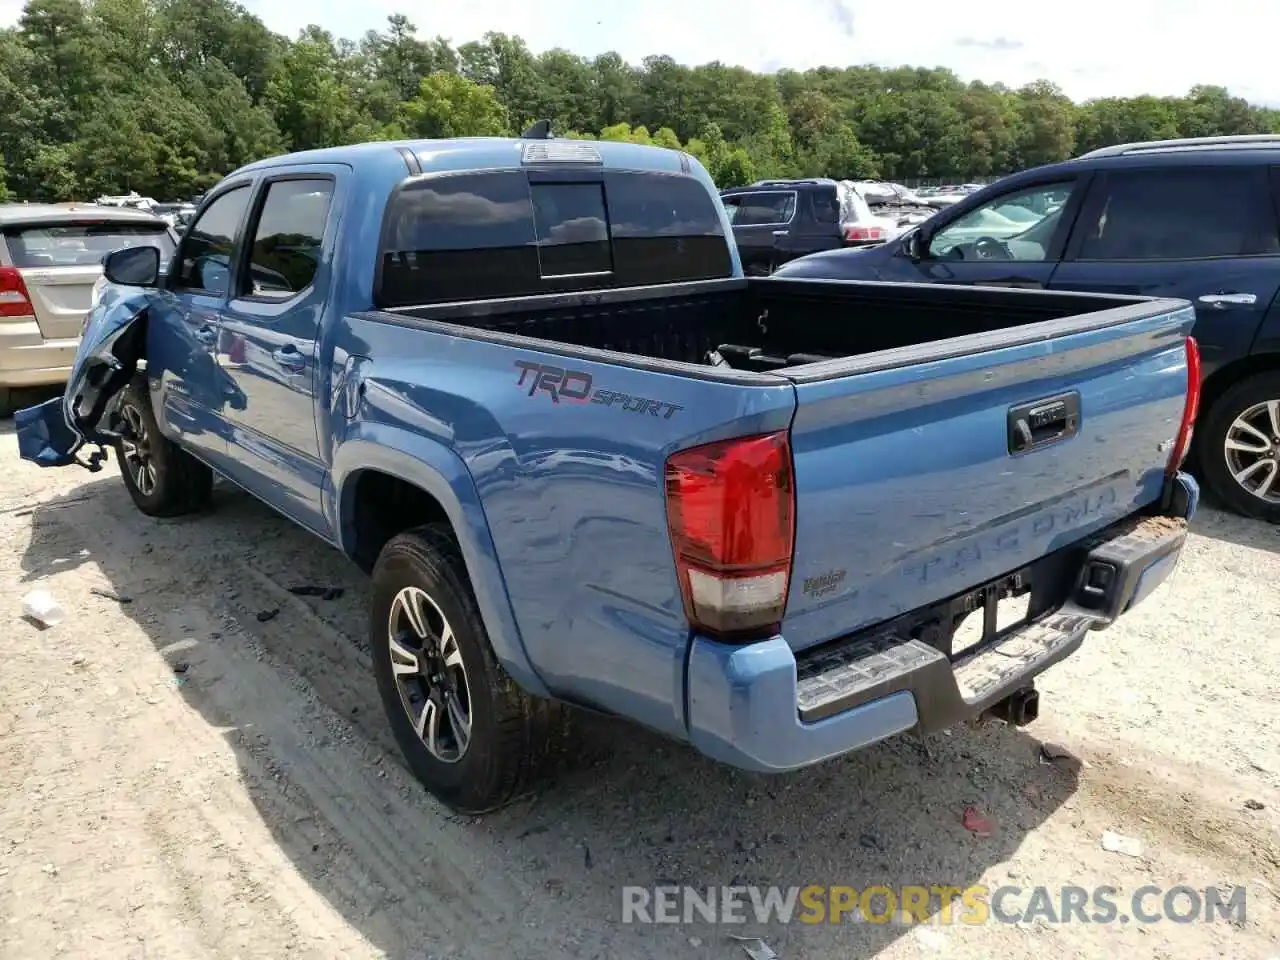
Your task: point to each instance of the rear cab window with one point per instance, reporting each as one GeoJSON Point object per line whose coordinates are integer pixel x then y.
{"type": "Point", "coordinates": [81, 243]}
{"type": "Point", "coordinates": [489, 235]}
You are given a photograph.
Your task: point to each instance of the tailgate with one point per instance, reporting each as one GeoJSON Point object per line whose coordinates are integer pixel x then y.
{"type": "Point", "coordinates": [61, 297]}
{"type": "Point", "coordinates": [907, 491]}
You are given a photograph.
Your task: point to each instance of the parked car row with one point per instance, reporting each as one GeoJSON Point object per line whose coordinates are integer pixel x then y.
{"type": "Point", "coordinates": [945, 196]}
{"type": "Point", "coordinates": [775, 221]}
{"type": "Point", "coordinates": [1193, 219]}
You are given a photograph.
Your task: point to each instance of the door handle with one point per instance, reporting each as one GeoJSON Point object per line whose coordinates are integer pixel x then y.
{"type": "Point", "coordinates": [289, 358]}
{"type": "Point", "coordinates": [1220, 300]}
{"type": "Point", "coordinates": [781, 233]}
{"type": "Point", "coordinates": [207, 336]}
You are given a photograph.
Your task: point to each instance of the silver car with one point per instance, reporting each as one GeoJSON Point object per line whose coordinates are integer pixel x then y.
{"type": "Point", "coordinates": [50, 258]}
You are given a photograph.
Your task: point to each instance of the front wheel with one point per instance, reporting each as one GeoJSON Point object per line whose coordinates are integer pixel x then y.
{"type": "Point", "coordinates": [1239, 447]}
{"type": "Point", "coordinates": [162, 479]}
{"type": "Point", "coordinates": [467, 730]}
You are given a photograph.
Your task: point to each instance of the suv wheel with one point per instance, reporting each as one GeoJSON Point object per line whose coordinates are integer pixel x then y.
{"type": "Point", "coordinates": [1240, 447]}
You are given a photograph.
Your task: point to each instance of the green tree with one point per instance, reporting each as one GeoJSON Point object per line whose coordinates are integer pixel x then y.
{"type": "Point", "coordinates": [311, 103]}
{"type": "Point", "coordinates": [1045, 130]}
{"type": "Point", "coordinates": [449, 106]}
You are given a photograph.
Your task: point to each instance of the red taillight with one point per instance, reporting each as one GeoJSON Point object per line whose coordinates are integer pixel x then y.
{"type": "Point", "coordinates": [862, 234]}
{"type": "Point", "coordinates": [1189, 409]}
{"type": "Point", "coordinates": [14, 299]}
{"type": "Point", "coordinates": [731, 510]}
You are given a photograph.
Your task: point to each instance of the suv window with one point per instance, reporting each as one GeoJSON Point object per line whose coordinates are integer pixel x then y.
{"type": "Point", "coordinates": [1014, 226]}
{"type": "Point", "coordinates": [826, 208]}
{"type": "Point", "coordinates": [204, 259]}
{"type": "Point", "coordinates": [1184, 214]}
{"type": "Point", "coordinates": [759, 209]}
{"type": "Point", "coordinates": [489, 235]}
{"type": "Point", "coordinates": [287, 238]}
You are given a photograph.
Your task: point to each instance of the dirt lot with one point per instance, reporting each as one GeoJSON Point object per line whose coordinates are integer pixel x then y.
{"type": "Point", "coordinates": [204, 772]}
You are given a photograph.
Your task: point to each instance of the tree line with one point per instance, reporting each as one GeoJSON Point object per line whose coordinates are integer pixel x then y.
{"type": "Point", "coordinates": [166, 96]}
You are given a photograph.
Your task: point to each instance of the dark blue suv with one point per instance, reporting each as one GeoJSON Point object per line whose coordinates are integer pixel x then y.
{"type": "Point", "coordinates": [1197, 219]}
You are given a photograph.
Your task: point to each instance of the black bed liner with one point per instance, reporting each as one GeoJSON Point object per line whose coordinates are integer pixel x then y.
{"type": "Point", "coordinates": [762, 329]}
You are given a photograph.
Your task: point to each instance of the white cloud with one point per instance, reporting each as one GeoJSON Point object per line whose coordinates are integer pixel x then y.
{"type": "Point", "coordinates": [1090, 48]}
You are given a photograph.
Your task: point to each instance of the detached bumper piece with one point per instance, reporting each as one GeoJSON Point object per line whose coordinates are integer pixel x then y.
{"type": "Point", "coordinates": [1085, 587]}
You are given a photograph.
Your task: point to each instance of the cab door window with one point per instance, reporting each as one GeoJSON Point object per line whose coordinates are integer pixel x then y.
{"type": "Point", "coordinates": [207, 252]}
{"type": "Point", "coordinates": [288, 238]}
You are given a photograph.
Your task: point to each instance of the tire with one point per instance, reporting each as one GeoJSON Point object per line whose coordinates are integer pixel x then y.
{"type": "Point", "coordinates": [510, 734]}
{"type": "Point", "coordinates": [6, 403]}
{"type": "Point", "coordinates": [1246, 399]}
{"type": "Point", "coordinates": [162, 479]}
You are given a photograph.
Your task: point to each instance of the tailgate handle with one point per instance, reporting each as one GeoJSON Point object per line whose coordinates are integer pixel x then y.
{"type": "Point", "coordinates": [1042, 422]}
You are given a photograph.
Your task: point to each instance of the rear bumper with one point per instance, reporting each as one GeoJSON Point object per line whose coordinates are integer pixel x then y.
{"type": "Point", "coordinates": [757, 707]}
{"type": "Point", "coordinates": [29, 360]}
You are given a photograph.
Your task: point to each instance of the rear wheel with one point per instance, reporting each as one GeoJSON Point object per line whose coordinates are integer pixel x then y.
{"type": "Point", "coordinates": [1239, 447]}
{"type": "Point", "coordinates": [471, 735]}
{"type": "Point", "coordinates": [162, 478]}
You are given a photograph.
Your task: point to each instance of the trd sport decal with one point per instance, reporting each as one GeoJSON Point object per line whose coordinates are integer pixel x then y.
{"type": "Point", "coordinates": [575, 386]}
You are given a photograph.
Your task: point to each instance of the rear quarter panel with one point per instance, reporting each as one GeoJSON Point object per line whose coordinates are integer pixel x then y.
{"type": "Point", "coordinates": [570, 483]}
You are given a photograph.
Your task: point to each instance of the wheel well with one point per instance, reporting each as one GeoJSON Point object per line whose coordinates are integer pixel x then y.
{"type": "Point", "coordinates": [1229, 375]}
{"type": "Point", "coordinates": [383, 506]}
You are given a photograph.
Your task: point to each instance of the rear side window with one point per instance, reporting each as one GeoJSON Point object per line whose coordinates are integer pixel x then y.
{"type": "Point", "coordinates": [758, 209]}
{"type": "Point", "coordinates": [1182, 214]}
{"type": "Point", "coordinates": [492, 235]}
{"type": "Point", "coordinates": [81, 243]}
{"type": "Point", "coordinates": [826, 208]}
{"type": "Point", "coordinates": [287, 239]}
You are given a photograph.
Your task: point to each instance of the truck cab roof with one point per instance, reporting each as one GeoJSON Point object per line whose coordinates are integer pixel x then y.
{"type": "Point", "coordinates": [479, 153]}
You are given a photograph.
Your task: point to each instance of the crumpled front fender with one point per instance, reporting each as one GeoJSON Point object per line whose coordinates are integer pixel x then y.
{"type": "Point", "coordinates": [50, 434]}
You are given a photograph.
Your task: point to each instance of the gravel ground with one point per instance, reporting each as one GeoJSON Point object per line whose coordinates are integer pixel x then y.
{"type": "Point", "coordinates": [203, 771]}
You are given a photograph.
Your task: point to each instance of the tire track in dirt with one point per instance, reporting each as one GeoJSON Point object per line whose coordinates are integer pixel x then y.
{"type": "Point", "coordinates": [401, 847]}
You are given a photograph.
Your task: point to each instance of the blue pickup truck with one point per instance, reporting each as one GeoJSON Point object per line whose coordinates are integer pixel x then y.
{"type": "Point", "coordinates": [525, 385]}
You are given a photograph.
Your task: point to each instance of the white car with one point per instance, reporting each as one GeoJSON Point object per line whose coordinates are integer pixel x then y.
{"type": "Point", "coordinates": [858, 214]}
{"type": "Point", "coordinates": [50, 259]}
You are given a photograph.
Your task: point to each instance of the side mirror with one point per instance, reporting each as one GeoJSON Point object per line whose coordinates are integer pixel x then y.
{"type": "Point", "coordinates": [133, 266]}
{"type": "Point", "coordinates": [916, 245]}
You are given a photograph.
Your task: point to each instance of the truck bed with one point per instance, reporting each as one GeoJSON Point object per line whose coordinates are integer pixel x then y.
{"type": "Point", "coordinates": [765, 324]}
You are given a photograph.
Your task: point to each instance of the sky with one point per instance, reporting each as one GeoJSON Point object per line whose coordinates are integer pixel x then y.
{"type": "Point", "coordinates": [1090, 48]}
